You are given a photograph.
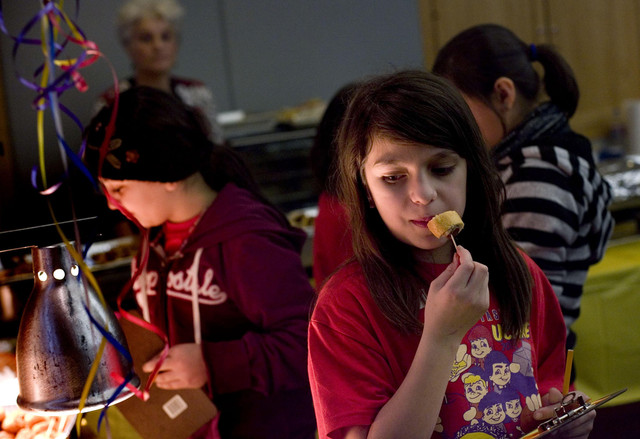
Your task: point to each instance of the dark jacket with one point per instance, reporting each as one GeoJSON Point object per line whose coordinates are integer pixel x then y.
{"type": "Point", "coordinates": [243, 263]}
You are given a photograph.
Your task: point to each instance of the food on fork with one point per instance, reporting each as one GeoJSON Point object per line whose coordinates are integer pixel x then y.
{"type": "Point", "coordinates": [445, 224]}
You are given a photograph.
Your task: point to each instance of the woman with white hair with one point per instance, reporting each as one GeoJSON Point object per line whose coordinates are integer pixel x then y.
{"type": "Point", "coordinates": [149, 31]}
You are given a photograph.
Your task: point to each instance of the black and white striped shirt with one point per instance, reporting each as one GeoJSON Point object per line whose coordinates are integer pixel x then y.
{"type": "Point", "coordinates": [556, 205]}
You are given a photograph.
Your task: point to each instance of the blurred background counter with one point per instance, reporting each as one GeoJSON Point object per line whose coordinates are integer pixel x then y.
{"type": "Point", "coordinates": [607, 354]}
{"type": "Point", "coordinates": [608, 348]}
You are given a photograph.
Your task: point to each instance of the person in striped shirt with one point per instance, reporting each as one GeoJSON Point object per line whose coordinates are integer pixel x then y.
{"type": "Point", "coordinates": [557, 202]}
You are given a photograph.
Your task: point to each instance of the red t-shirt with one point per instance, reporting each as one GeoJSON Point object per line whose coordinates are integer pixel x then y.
{"type": "Point", "coordinates": [331, 239]}
{"type": "Point", "coordinates": [358, 359]}
{"type": "Point", "coordinates": [176, 234]}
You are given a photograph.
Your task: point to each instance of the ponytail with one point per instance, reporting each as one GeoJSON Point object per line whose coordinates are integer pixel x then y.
{"type": "Point", "coordinates": [559, 80]}
{"type": "Point", "coordinates": [475, 58]}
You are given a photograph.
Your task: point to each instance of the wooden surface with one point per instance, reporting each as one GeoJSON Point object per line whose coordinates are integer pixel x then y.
{"type": "Point", "coordinates": [599, 39]}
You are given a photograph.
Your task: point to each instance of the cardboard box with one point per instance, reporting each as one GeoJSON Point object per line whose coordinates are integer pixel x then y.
{"type": "Point", "coordinates": [168, 414]}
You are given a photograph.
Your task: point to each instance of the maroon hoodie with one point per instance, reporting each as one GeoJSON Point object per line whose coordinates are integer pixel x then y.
{"type": "Point", "coordinates": [243, 262]}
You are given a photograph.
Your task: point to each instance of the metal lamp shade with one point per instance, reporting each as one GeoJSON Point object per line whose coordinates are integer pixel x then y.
{"type": "Point", "coordinates": [57, 342]}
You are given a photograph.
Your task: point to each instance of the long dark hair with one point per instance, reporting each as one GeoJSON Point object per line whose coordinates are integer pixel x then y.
{"type": "Point", "coordinates": [417, 107]}
{"type": "Point", "coordinates": [477, 56]}
{"type": "Point", "coordinates": [323, 154]}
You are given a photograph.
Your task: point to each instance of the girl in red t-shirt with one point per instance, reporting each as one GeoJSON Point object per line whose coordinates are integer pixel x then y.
{"type": "Point", "coordinates": [389, 345]}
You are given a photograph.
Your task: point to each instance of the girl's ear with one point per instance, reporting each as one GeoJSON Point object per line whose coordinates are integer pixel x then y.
{"type": "Point", "coordinates": [504, 94]}
{"type": "Point", "coordinates": [171, 186]}
{"type": "Point", "coordinates": [372, 204]}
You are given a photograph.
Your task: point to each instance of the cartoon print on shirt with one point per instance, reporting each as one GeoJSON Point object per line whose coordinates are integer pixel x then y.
{"type": "Point", "coordinates": [463, 362]}
{"type": "Point", "coordinates": [513, 410]}
{"type": "Point", "coordinates": [480, 341]}
{"type": "Point", "coordinates": [475, 388]}
{"type": "Point", "coordinates": [493, 413]}
{"type": "Point", "coordinates": [498, 371]}
{"type": "Point", "coordinates": [498, 386]}
{"type": "Point", "coordinates": [480, 431]}
{"type": "Point", "coordinates": [438, 428]}
{"type": "Point", "coordinates": [504, 375]}
{"type": "Point", "coordinates": [522, 356]}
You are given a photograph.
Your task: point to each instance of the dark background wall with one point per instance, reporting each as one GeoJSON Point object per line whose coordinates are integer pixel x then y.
{"type": "Point", "coordinates": [255, 55]}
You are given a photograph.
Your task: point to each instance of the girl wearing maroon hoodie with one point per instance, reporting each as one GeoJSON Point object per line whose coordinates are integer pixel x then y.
{"type": "Point", "coordinates": [224, 279]}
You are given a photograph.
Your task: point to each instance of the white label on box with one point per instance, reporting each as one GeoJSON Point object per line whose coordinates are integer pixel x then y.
{"type": "Point", "coordinates": [174, 406]}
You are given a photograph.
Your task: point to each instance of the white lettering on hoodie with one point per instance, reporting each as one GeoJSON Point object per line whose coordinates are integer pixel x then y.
{"type": "Point", "coordinates": [182, 284]}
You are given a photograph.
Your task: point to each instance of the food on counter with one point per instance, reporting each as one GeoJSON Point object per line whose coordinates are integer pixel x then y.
{"type": "Point", "coordinates": [303, 217]}
{"type": "Point", "coordinates": [307, 113]}
{"type": "Point", "coordinates": [121, 249]}
{"type": "Point", "coordinates": [15, 265]}
{"type": "Point", "coordinates": [7, 360]}
{"type": "Point", "coordinates": [16, 423]}
{"type": "Point", "coordinates": [446, 224]}
{"type": "Point", "coordinates": [19, 424]}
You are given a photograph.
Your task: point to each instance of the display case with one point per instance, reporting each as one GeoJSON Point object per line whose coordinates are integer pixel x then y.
{"type": "Point", "coordinates": [278, 156]}
{"type": "Point", "coordinates": [623, 174]}
{"type": "Point", "coordinates": [279, 160]}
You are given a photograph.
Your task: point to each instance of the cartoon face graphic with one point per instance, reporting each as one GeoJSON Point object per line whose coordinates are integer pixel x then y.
{"type": "Point", "coordinates": [476, 435]}
{"type": "Point", "coordinates": [480, 347]}
{"type": "Point", "coordinates": [500, 374]}
{"type": "Point", "coordinates": [493, 414]}
{"type": "Point", "coordinates": [513, 408]}
{"type": "Point", "coordinates": [475, 388]}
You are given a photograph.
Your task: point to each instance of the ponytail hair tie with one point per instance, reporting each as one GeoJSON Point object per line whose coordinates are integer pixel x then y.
{"type": "Point", "coordinates": [533, 52]}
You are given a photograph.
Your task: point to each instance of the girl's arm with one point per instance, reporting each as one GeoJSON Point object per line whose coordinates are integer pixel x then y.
{"type": "Point", "coordinates": [272, 290]}
{"type": "Point", "coordinates": [456, 300]}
